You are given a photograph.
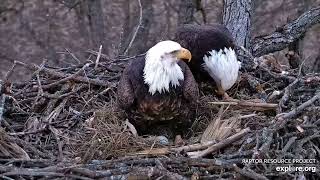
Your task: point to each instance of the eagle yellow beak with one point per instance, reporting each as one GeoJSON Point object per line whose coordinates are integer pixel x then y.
{"type": "Point", "coordinates": [184, 54]}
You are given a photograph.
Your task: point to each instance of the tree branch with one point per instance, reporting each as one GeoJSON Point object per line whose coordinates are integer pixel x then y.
{"type": "Point", "coordinates": [289, 33]}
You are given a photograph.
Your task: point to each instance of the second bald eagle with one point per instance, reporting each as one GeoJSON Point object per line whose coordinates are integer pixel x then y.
{"type": "Point", "coordinates": [213, 55]}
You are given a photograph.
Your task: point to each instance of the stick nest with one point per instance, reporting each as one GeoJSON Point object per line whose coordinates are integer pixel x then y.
{"type": "Point", "coordinates": [64, 122]}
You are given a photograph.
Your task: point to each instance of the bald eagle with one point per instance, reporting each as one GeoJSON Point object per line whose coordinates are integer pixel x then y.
{"type": "Point", "coordinates": [213, 55]}
{"type": "Point", "coordinates": [158, 87]}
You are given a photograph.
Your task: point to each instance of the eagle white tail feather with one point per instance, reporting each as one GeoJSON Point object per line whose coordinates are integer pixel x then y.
{"type": "Point", "coordinates": [223, 67]}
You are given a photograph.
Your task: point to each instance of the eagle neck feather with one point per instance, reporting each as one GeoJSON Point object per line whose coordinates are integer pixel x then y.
{"type": "Point", "coordinates": [159, 74]}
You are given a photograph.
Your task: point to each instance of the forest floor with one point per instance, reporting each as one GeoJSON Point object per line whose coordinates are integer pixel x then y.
{"type": "Point", "coordinates": [63, 123]}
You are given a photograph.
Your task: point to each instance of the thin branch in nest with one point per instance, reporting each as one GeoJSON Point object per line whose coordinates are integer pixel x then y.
{"type": "Point", "coordinates": [194, 147]}
{"type": "Point", "coordinates": [73, 56]}
{"type": "Point", "coordinates": [286, 95]}
{"type": "Point", "coordinates": [293, 113]}
{"type": "Point", "coordinates": [289, 144]}
{"type": "Point", "coordinates": [61, 81]}
{"type": "Point", "coordinates": [104, 56]}
{"type": "Point", "coordinates": [98, 58]}
{"type": "Point", "coordinates": [254, 105]}
{"type": "Point", "coordinates": [63, 75]}
{"type": "Point", "coordinates": [9, 73]}
{"type": "Point", "coordinates": [220, 145]}
{"type": "Point", "coordinates": [2, 102]}
{"type": "Point", "coordinates": [40, 90]}
{"type": "Point", "coordinates": [249, 173]}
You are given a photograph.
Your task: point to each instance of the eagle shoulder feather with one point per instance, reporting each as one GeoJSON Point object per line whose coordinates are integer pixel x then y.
{"type": "Point", "coordinates": [125, 94]}
{"type": "Point", "coordinates": [190, 86]}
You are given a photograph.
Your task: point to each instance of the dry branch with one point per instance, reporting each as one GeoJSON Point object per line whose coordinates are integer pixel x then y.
{"type": "Point", "coordinates": [300, 108]}
{"type": "Point", "coordinates": [249, 173]}
{"type": "Point", "coordinates": [253, 105]}
{"type": "Point", "coordinates": [63, 75]}
{"type": "Point", "coordinates": [221, 144]}
{"type": "Point", "coordinates": [98, 58]}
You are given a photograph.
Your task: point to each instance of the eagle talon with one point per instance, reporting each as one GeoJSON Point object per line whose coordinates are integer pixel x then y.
{"type": "Point", "coordinates": [226, 97]}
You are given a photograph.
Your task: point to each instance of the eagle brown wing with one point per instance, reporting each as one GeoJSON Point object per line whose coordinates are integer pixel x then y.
{"type": "Point", "coordinates": [190, 86]}
{"type": "Point", "coordinates": [125, 89]}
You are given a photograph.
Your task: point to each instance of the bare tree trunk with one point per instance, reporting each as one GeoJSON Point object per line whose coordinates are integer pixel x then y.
{"type": "Point", "coordinates": [186, 11]}
{"type": "Point", "coordinates": [237, 18]}
{"type": "Point", "coordinates": [96, 24]}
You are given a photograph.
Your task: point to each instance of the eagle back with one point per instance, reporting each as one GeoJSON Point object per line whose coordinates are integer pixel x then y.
{"type": "Point", "coordinates": [200, 40]}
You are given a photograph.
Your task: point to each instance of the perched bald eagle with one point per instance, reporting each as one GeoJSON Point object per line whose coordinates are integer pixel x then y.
{"type": "Point", "coordinates": [158, 87]}
{"type": "Point", "coordinates": [213, 55]}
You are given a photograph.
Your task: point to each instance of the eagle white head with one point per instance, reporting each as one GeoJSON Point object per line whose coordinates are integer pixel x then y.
{"type": "Point", "coordinates": [161, 66]}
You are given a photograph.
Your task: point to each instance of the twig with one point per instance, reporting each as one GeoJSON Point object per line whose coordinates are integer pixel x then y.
{"type": "Point", "coordinates": [194, 147]}
{"type": "Point", "coordinates": [104, 56]}
{"type": "Point", "coordinates": [249, 174]}
{"type": "Point", "coordinates": [66, 78]}
{"type": "Point", "coordinates": [221, 144]}
{"type": "Point", "coordinates": [2, 101]}
{"type": "Point", "coordinates": [136, 31]}
{"type": "Point", "coordinates": [300, 108]}
{"type": "Point", "coordinates": [248, 104]}
{"type": "Point", "coordinates": [9, 73]}
{"type": "Point", "coordinates": [62, 75]}
{"type": "Point", "coordinates": [285, 97]}
{"type": "Point", "coordinates": [98, 58]}
{"type": "Point", "coordinates": [73, 56]}
{"type": "Point", "coordinates": [289, 144]}
{"type": "Point", "coordinates": [26, 133]}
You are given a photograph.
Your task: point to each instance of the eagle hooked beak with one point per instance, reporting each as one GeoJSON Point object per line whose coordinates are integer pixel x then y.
{"type": "Point", "coordinates": [184, 53]}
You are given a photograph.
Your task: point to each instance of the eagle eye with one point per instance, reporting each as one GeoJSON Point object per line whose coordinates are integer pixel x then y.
{"type": "Point", "coordinates": [175, 51]}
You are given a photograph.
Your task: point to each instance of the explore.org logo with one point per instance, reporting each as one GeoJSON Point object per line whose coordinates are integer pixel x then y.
{"type": "Point", "coordinates": [287, 165]}
{"type": "Point", "coordinates": [296, 168]}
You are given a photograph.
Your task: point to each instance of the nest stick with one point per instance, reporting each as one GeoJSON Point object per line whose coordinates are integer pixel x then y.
{"type": "Point", "coordinates": [98, 58]}
{"type": "Point", "coordinates": [63, 75]}
{"type": "Point", "coordinates": [221, 144]}
{"type": "Point", "coordinates": [247, 104]}
{"type": "Point", "coordinates": [300, 108]}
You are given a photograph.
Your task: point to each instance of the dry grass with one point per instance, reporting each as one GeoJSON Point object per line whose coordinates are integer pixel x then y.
{"type": "Point", "coordinates": [107, 135]}
{"type": "Point", "coordinates": [219, 129]}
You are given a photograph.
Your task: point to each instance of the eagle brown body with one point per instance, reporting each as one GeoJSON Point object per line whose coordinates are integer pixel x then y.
{"type": "Point", "coordinates": [200, 39]}
{"type": "Point", "coordinates": [146, 111]}
{"type": "Point", "coordinates": [213, 57]}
